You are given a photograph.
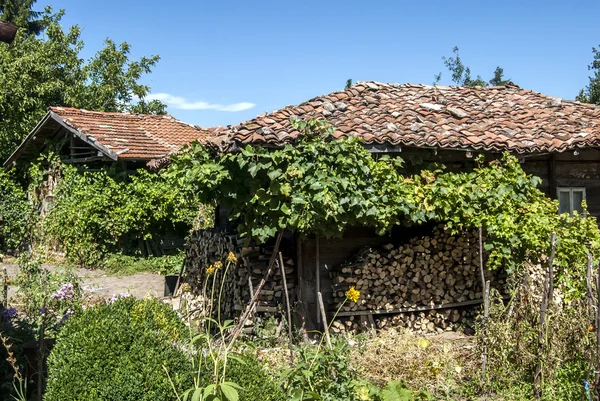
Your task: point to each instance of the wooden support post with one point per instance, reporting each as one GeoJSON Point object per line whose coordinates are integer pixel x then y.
{"type": "Point", "coordinates": [326, 326]}
{"type": "Point", "coordinates": [552, 176]}
{"type": "Point", "coordinates": [318, 276]}
{"type": "Point", "coordinates": [253, 310]}
{"type": "Point", "coordinates": [486, 313]}
{"type": "Point", "coordinates": [481, 268]}
{"type": "Point", "coordinates": [287, 306]}
{"type": "Point", "coordinates": [547, 295]}
{"type": "Point", "coordinates": [551, 269]}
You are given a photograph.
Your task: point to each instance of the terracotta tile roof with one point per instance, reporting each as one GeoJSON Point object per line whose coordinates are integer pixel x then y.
{"type": "Point", "coordinates": [133, 136]}
{"type": "Point", "coordinates": [491, 118]}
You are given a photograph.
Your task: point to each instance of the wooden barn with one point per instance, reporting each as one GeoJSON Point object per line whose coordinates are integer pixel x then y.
{"type": "Point", "coordinates": [99, 139]}
{"type": "Point", "coordinates": [555, 139]}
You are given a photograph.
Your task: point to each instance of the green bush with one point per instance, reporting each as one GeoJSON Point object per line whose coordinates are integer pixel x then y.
{"type": "Point", "coordinates": [248, 373]}
{"type": "Point", "coordinates": [15, 211]}
{"type": "Point", "coordinates": [117, 352]}
{"type": "Point", "coordinates": [95, 213]}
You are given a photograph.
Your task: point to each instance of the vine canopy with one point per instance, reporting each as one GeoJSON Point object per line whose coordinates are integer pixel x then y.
{"type": "Point", "coordinates": [322, 185]}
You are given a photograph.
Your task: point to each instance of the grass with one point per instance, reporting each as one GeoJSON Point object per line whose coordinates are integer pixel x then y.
{"type": "Point", "coordinates": [124, 265]}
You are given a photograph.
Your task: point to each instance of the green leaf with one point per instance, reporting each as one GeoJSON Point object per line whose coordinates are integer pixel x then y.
{"type": "Point", "coordinates": [197, 396]}
{"type": "Point", "coordinates": [229, 391]}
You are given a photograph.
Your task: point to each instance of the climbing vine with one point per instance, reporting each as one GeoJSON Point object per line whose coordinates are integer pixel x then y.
{"type": "Point", "coordinates": [94, 213]}
{"type": "Point", "coordinates": [322, 185]}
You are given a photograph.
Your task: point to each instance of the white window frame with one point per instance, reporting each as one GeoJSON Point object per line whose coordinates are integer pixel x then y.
{"type": "Point", "coordinates": [570, 190]}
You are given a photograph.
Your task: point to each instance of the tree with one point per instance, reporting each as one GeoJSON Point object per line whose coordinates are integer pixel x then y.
{"type": "Point", "coordinates": [461, 74]}
{"type": "Point", "coordinates": [39, 72]}
{"type": "Point", "coordinates": [20, 13]}
{"type": "Point", "coordinates": [111, 82]}
{"type": "Point", "coordinates": [591, 93]}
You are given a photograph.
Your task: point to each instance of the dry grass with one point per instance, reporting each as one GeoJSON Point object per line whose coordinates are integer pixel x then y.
{"type": "Point", "coordinates": [438, 364]}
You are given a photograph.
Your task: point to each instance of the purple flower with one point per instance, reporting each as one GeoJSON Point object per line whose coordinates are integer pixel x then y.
{"type": "Point", "coordinates": [65, 292]}
{"type": "Point", "coordinates": [68, 314]}
{"type": "Point", "coordinates": [9, 313]}
{"type": "Point", "coordinates": [116, 297]}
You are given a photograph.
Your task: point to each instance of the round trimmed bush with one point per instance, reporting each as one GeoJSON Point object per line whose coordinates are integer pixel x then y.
{"type": "Point", "coordinates": [117, 352]}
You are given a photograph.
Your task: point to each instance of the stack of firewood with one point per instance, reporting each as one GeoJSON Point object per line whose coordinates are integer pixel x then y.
{"type": "Point", "coordinates": [251, 270]}
{"type": "Point", "coordinates": [206, 247]}
{"type": "Point", "coordinates": [427, 282]}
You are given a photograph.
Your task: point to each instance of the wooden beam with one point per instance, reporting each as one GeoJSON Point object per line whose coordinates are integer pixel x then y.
{"type": "Point", "coordinates": [552, 176]}
{"type": "Point", "coordinates": [415, 309]}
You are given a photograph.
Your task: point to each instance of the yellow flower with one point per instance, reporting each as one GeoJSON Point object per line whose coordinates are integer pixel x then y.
{"type": "Point", "coordinates": [185, 287]}
{"type": "Point", "coordinates": [210, 269]}
{"type": "Point", "coordinates": [353, 294]}
{"type": "Point", "coordinates": [231, 258]}
{"type": "Point", "coordinates": [218, 264]}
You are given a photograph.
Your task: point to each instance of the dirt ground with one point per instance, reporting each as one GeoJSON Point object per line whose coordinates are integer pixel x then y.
{"type": "Point", "coordinates": [98, 282]}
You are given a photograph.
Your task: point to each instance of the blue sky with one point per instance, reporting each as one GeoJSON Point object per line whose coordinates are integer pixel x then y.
{"type": "Point", "coordinates": [223, 62]}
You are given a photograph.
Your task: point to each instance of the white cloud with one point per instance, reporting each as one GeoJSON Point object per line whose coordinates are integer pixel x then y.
{"type": "Point", "coordinates": [181, 103]}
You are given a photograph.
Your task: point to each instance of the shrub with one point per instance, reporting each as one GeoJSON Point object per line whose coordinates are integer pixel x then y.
{"type": "Point", "coordinates": [247, 372]}
{"type": "Point", "coordinates": [15, 211]}
{"type": "Point", "coordinates": [117, 352]}
{"type": "Point", "coordinates": [323, 373]}
{"type": "Point", "coordinates": [515, 350]}
{"type": "Point", "coordinates": [95, 213]}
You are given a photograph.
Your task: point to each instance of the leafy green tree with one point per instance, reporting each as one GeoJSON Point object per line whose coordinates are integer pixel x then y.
{"type": "Point", "coordinates": [39, 72]}
{"type": "Point", "coordinates": [591, 93]}
{"type": "Point", "coordinates": [111, 82]}
{"type": "Point", "coordinates": [20, 13]}
{"type": "Point", "coordinates": [461, 74]}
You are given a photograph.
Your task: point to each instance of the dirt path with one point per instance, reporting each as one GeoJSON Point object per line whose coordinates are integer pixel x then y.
{"type": "Point", "coordinates": [98, 282]}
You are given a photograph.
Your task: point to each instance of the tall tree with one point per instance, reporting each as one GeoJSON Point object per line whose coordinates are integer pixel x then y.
{"type": "Point", "coordinates": [591, 93]}
{"type": "Point", "coordinates": [461, 74]}
{"type": "Point", "coordinates": [38, 72]}
{"type": "Point", "coordinates": [21, 13]}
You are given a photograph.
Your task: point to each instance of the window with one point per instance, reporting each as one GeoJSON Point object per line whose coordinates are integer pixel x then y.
{"type": "Point", "coordinates": [570, 199]}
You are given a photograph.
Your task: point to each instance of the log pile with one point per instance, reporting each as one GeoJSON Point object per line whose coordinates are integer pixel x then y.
{"type": "Point", "coordinates": [206, 247]}
{"type": "Point", "coordinates": [425, 284]}
{"type": "Point", "coordinates": [252, 268]}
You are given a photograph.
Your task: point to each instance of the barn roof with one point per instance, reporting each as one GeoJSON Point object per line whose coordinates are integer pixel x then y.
{"type": "Point", "coordinates": [496, 118]}
{"type": "Point", "coordinates": [119, 136]}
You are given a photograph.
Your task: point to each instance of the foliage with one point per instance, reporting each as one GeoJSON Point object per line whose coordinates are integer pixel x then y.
{"type": "Point", "coordinates": [397, 391]}
{"type": "Point", "coordinates": [322, 374]}
{"type": "Point", "coordinates": [461, 74]}
{"type": "Point", "coordinates": [515, 349]}
{"type": "Point", "coordinates": [117, 351]}
{"type": "Point", "coordinates": [112, 213]}
{"type": "Point", "coordinates": [15, 212]}
{"type": "Point", "coordinates": [321, 186]}
{"type": "Point", "coordinates": [124, 265]}
{"type": "Point", "coordinates": [591, 93]}
{"type": "Point", "coordinates": [255, 382]}
{"type": "Point", "coordinates": [20, 13]}
{"type": "Point", "coordinates": [47, 70]}
{"type": "Point", "coordinates": [48, 296]}
{"type": "Point", "coordinates": [214, 352]}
